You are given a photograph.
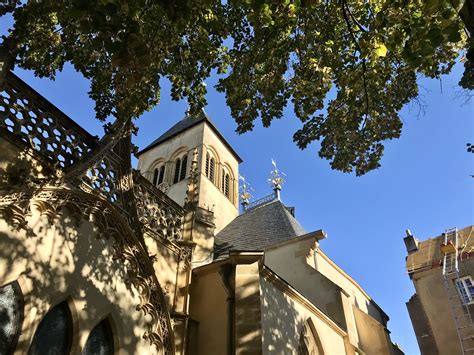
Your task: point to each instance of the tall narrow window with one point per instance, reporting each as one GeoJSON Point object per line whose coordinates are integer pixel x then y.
{"type": "Point", "coordinates": [161, 175]}
{"type": "Point", "coordinates": [227, 185]}
{"type": "Point", "coordinates": [54, 332]}
{"type": "Point", "coordinates": [176, 171]}
{"type": "Point", "coordinates": [155, 176]}
{"type": "Point", "coordinates": [207, 164]}
{"type": "Point", "coordinates": [223, 180]}
{"type": "Point", "coordinates": [211, 169]}
{"type": "Point", "coordinates": [11, 317]}
{"type": "Point", "coordinates": [100, 340]}
{"type": "Point", "coordinates": [184, 162]}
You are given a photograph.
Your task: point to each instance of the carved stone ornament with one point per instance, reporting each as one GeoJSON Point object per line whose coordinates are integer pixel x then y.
{"type": "Point", "coordinates": [310, 343]}
{"type": "Point", "coordinates": [102, 188]}
{"type": "Point", "coordinates": [14, 207]}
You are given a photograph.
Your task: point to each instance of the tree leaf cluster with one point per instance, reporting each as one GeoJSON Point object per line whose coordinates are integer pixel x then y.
{"type": "Point", "coordinates": [347, 66]}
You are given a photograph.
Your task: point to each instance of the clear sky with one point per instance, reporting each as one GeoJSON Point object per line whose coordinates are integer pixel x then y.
{"type": "Point", "coordinates": [424, 183]}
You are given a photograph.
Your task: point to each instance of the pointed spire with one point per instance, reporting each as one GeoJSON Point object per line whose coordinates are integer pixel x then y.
{"type": "Point", "coordinates": [276, 180]}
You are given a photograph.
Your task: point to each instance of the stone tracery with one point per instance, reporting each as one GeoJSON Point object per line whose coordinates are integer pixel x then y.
{"type": "Point", "coordinates": [120, 203]}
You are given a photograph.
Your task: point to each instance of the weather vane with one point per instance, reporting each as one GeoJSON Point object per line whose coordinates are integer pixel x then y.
{"type": "Point", "coordinates": [244, 191]}
{"type": "Point", "coordinates": [276, 179]}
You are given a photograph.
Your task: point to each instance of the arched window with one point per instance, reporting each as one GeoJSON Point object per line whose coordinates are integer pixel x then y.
{"type": "Point", "coordinates": [100, 340]}
{"type": "Point", "coordinates": [184, 162]}
{"type": "Point", "coordinates": [227, 186]}
{"type": "Point", "coordinates": [177, 168]}
{"type": "Point", "coordinates": [223, 180]}
{"type": "Point", "coordinates": [11, 317]}
{"type": "Point", "coordinates": [309, 343]}
{"type": "Point", "coordinates": [212, 164]}
{"type": "Point", "coordinates": [155, 176]}
{"type": "Point", "coordinates": [208, 158]}
{"type": "Point", "coordinates": [161, 175]}
{"type": "Point", "coordinates": [54, 332]}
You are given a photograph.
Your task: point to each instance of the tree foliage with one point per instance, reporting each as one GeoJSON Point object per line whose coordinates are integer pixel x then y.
{"type": "Point", "coordinates": [366, 53]}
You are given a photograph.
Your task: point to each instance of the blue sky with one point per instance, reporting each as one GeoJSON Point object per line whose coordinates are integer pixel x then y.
{"type": "Point", "coordinates": [424, 183]}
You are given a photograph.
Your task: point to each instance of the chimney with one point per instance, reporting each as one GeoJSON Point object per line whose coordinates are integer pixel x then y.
{"type": "Point", "coordinates": [411, 242]}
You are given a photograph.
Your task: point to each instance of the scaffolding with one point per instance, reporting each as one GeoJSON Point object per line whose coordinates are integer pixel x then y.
{"type": "Point", "coordinates": [453, 284]}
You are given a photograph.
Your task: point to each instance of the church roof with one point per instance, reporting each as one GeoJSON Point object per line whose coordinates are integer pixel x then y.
{"type": "Point", "coordinates": [186, 123]}
{"type": "Point", "coordinates": [258, 228]}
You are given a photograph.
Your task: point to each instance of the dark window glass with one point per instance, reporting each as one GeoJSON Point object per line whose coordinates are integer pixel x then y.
{"type": "Point", "coordinates": [223, 180]}
{"type": "Point", "coordinates": [176, 171]}
{"type": "Point", "coordinates": [226, 185]}
{"type": "Point", "coordinates": [54, 333]}
{"type": "Point", "coordinates": [155, 176]}
{"type": "Point", "coordinates": [11, 317]}
{"type": "Point", "coordinates": [162, 175]}
{"type": "Point", "coordinates": [207, 164]}
{"type": "Point", "coordinates": [184, 162]}
{"type": "Point", "coordinates": [211, 170]}
{"type": "Point", "coordinates": [100, 340]}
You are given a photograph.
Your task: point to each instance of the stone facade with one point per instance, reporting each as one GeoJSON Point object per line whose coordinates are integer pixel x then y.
{"type": "Point", "coordinates": [160, 256]}
{"type": "Point", "coordinates": [431, 307]}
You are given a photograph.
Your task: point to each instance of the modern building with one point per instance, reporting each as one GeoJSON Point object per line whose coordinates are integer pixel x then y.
{"type": "Point", "coordinates": [96, 257]}
{"type": "Point", "coordinates": [441, 309]}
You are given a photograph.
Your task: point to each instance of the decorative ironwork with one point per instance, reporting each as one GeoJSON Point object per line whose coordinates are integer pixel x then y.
{"type": "Point", "coordinates": [261, 201]}
{"type": "Point", "coordinates": [110, 224]}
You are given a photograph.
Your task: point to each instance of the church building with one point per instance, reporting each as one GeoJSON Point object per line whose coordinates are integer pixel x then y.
{"type": "Point", "coordinates": [171, 258]}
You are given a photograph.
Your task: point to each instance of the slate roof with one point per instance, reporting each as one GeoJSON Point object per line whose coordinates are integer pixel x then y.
{"type": "Point", "coordinates": [186, 123]}
{"type": "Point", "coordinates": [257, 229]}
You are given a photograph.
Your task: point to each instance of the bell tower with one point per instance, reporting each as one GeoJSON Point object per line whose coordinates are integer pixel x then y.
{"type": "Point", "coordinates": [167, 160]}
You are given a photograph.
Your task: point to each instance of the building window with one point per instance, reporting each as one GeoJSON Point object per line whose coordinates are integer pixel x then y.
{"type": "Point", "coordinates": [54, 332]}
{"type": "Point", "coordinates": [207, 164]}
{"type": "Point", "coordinates": [465, 289]}
{"type": "Point", "coordinates": [161, 175]}
{"type": "Point", "coordinates": [155, 176]}
{"type": "Point", "coordinates": [227, 185]}
{"type": "Point", "coordinates": [100, 340]}
{"type": "Point", "coordinates": [183, 168]}
{"type": "Point", "coordinates": [158, 175]}
{"type": "Point", "coordinates": [11, 317]}
{"type": "Point", "coordinates": [177, 168]}
{"type": "Point", "coordinates": [212, 164]}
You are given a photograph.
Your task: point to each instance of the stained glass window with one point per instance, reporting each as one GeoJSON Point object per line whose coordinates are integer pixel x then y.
{"type": "Point", "coordinates": [54, 333]}
{"type": "Point", "coordinates": [11, 316]}
{"type": "Point", "coordinates": [100, 340]}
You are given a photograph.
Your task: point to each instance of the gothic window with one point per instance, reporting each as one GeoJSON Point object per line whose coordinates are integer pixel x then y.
{"type": "Point", "coordinates": [155, 176]}
{"type": "Point", "coordinates": [100, 340]}
{"type": "Point", "coordinates": [183, 168]}
{"type": "Point", "coordinates": [11, 316]}
{"type": "Point", "coordinates": [177, 168]}
{"type": "Point", "coordinates": [161, 175]}
{"type": "Point", "coordinates": [309, 343]}
{"type": "Point", "coordinates": [54, 332]}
